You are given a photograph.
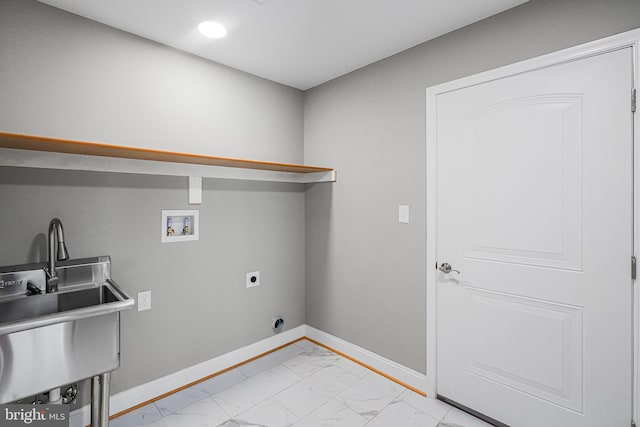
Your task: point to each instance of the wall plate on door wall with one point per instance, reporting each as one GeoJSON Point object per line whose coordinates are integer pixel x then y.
{"type": "Point", "coordinates": [403, 214]}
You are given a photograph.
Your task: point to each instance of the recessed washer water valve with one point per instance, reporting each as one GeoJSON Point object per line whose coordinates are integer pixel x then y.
{"type": "Point", "coordinates": [277, 324]}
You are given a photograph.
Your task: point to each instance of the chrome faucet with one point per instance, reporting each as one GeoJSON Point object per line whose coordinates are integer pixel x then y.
{"type": "Point", "coordinates": [55, 226]}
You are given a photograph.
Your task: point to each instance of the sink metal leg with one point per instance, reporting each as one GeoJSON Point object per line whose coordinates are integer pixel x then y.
{"type": "Point", "coordinates": [95, 401]}
{"type": "Point", "coordinates": [100, 390]}
{"type": "Point", "coordinates": [105, 390]}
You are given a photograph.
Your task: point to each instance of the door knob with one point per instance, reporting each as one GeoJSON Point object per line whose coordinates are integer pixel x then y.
{"type": "Point", "coordinates": [445, 267]}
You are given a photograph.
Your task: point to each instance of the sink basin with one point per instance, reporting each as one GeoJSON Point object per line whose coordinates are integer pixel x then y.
{"type": "Point", "coordinates": [53, 339]}
{"type": "Point", "coordinates": [29, 312]}
{"type": "Point", "coordinates": [46, 304]}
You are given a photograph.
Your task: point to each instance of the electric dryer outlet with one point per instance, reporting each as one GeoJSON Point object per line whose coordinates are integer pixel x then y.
{"type": "Point", "coordinates": [253, 279]}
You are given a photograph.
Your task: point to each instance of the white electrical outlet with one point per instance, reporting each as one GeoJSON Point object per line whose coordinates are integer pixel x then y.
{"type": "Point", "coordinates": [144, 300]}
{"type": "Point", "coordinates": [253, 279]}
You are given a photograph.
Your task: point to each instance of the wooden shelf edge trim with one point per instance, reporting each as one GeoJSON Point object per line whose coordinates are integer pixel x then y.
{"type": "Point", "coordinates": [41, 143]}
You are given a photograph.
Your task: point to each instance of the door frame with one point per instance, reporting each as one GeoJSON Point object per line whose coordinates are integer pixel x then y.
{"type": "Point", "coordinates": [629, 39]}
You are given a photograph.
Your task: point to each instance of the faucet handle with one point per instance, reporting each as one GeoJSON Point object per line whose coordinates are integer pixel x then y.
{"type": "Point", "coordinates": [32, 289]}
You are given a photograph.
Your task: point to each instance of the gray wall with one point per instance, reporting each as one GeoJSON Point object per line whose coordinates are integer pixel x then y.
{"type": "Point", "coordinates": [62, 75]}
{"type": "Point", "coordinates": [200, 306]}
{"type": "Point", "coordinates": [66, 76]}
{"type": "Point", "coordinates": [365, 272]}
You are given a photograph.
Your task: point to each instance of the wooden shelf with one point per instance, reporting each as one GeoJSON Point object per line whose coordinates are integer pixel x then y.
{"type": "Point", "coordinates": [204, 165]}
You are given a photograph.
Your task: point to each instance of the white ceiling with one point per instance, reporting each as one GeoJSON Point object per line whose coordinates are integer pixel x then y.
{"type": "Point", "coordinates": [300, 43]}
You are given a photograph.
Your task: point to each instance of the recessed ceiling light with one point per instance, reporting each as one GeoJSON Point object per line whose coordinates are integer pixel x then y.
{"type": "Point", "coordinates": [212, 29]}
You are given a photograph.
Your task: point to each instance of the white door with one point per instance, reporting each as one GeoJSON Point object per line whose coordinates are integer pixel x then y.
{"type": "Point", "coordinates": [534, 208]}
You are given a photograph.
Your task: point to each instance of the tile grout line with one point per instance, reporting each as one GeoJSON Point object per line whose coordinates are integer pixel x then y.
{"type": "Point", "coordinates": [302, 378]}
{"type": "Point", "coordinates": [210, 395]}
{"type": "Point", "coordinates": [272, 396]}
{"type": "Point", "coordinates": [396, 401]}
{"type": "Point", "coordinates": [237, 365]}
{"type": "Point", "coordinates": [302, 351]}
{"type": "Point", "coordinates": [280, 391]}
{"type": "Point", "coordinates": [208, 377]}
{"type": "Point", "coordinates": [369, 367]}
{"type": "Point", "coordinates": [387, 405]}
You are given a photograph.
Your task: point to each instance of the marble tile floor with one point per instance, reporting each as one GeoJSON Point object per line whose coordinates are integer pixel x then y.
{"type": "Point", "coordinates": [301, 385]}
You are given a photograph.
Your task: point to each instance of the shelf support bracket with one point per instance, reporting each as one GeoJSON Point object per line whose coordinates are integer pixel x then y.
{"type": "Point", "coordinates": [195, 190]}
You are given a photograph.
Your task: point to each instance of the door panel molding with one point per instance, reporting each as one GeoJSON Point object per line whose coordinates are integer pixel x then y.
{"type": "Point", "coordinates": [563, 227]}
{"type": "Point", "coordinates": [559, 375]}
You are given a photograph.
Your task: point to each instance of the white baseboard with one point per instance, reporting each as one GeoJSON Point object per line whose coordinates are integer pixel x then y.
{"type": "Point", "coordinates": [151, 390]}
{"type": "Point", "coordinates": [147, 391]}
{"type": "Point", "coordinates": [399, 372]}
